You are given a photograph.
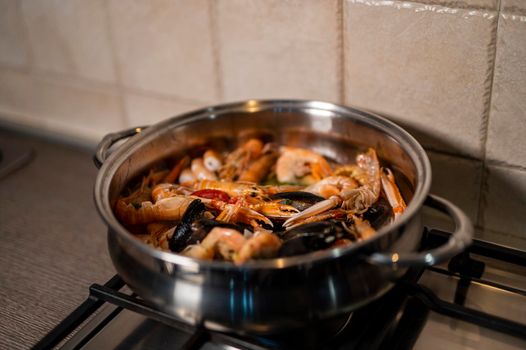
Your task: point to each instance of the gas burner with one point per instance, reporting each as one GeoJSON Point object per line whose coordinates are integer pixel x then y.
{"type": "Point", "coordinates": [480, 294]}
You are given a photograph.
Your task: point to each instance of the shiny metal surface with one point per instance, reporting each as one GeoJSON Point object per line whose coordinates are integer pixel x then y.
{"type": "Point", "coordinates": [459, 240]}
{"type": "Point", "coordinates": [267, 295]}
{"type": "Point", "coordinates": [128, 330]}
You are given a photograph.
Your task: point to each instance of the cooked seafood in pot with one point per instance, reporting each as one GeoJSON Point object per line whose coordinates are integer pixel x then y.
{"type": "Point", "coordinates": [260, 201]}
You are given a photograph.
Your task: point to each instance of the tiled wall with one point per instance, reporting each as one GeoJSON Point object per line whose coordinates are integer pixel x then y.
{"type": "Point", "coordinates": [452, 72]}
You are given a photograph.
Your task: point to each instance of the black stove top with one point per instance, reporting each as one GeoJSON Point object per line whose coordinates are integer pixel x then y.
{"type": "Point", "coordinates": [476, 300]}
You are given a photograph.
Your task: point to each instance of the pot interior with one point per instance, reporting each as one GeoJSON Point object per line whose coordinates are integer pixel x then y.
{"type": "Point", "coordinates": [336, 132]}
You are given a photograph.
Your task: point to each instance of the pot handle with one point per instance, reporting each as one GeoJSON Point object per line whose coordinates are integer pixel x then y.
{"type": "Point", "coordinates": [101, 152]}
{"type": "Point", "coordinates": [459, 240]}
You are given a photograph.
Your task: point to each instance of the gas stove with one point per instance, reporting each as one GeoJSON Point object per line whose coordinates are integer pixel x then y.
{"type": "Point", "coordinates": [476, 300]}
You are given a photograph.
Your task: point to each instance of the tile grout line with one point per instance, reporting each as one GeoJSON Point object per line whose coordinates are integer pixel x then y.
{"type": "Point", "coordinates": [71, 79]}
{"type": "Point", "coordinates": [163, 96]}
{"type": "Point", "coordinates": [484, 127]}
{"type": "Point", "coordinates": [462, 5]}
{"type": "Point", "coordinates": [497, 163]}
{"type": "Point", "coordinates": [88, 83]}
{"type": "Point", "coordinates": [399, 4]}
{"type": "Point", "coordinates": [213, 25]}
{"type": "Point", "coordinates": [517, 10]}
{"type": "Point", "coordinates": [503, 164]}
{"type": "Point", "coordinates": [499, 233]}
{"type": "Point", "coordinates": [340, 60]}
{"type": "Point", "coordinates": [451, 154]}
{"type": "Point", "coordinates": [25, 69]}
{"type": "Point", "coordinates": [116, 67]}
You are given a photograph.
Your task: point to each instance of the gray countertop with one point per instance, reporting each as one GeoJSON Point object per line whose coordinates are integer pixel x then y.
{"type": "Point", "coordinates": [52, 240]}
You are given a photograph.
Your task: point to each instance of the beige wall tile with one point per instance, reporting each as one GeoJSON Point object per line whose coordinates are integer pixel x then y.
{"type": "Point", "coordinates": [165, 46]}
{"type": "Point", "coordinates": [78, 111]}
{"type": "Point", "coordinates": [147, 110]}
{"type": "Point", "coordinates": [70, 37]}
{"type": "Point", "coordinates": [507, 123]}
{"type": "Point", "coordinates": [506, 202]}
{"type": "Point", "coordinates": [502, 239]}
{"type": "Point", "coordinates": [279, 49]}
{"type": "Point", "coordinates": [13, 49]}
{"type": "Point", "coordinates": [16, 97]}
{"type": "Point", "coordinates": [458, 180]}
{"type": "Point", "coordinates": [463, 4]}
{"type": "Point", "coordinates": [514, 6]}
{"type": "Point", "coordinates": [425, 66]}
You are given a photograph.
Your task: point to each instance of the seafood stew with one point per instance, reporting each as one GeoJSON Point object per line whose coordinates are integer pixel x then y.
{"type": "Point", "coordinates": [260, 200]}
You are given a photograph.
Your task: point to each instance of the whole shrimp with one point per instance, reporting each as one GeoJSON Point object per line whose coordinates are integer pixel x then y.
{"type": "Point", "coordinates": [237, 161]}
{"type": "Point", "coordinates": [220, 241]}
{"type": "Point", "coordinates": [247, 209]}
{"type": "Point", "coordinates": [259, 168]}
{"type": "Point", "coordinates": [171, 208]}
{"type": "Point", "coordinates": [166, 190]}
{"type": "Point", "coordinates": [231, 245]}
{"type": "Point", "coordinates": [332, 185]}
{"type": "Point", "coordinates": [233, 189]}
{"type": "Point", "coordinates": [263, 244]}
{"type": "Point", "coordinates": [356, 200]}
{"type": "Point", "coordinates": [294, 164]}
{"type": "Point", "coordinates": [200, 171]}
{"type": "Point", "coordinates": [212, 160]}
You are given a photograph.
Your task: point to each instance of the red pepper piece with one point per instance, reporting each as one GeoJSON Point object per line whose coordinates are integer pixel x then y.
{"type": "Point", "coordinates": [212, 194]}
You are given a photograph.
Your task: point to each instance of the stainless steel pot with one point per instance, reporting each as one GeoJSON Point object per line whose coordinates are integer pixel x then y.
{"type": "Point", "coordinates": [273, 295]}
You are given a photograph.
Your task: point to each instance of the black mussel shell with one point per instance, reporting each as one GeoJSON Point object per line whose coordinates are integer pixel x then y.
{"type": "Point", "coordinates": [310, 237]}
{"type": "Point", "coordinates": [378, 214]}
{"type": "Point", "coordinates": [298, 199]}
{"type": "Point", "coordinates": [183, 232]}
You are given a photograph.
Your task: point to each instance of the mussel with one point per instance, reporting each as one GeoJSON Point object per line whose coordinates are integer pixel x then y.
{"type": "Point", "coordinates": [310, 237]}
{"type": "Point", "coordinates": [379, 213]}
{"type": "Point", "coordinates": [183, 232]}
{"type": "Point", "coordinates": [298, 199]}
{"type": "Point", "coordinates": [194, 227]}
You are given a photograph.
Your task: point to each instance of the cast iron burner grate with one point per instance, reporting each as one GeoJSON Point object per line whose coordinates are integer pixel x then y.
{"type": "Point", "coordinates": [394, 321]}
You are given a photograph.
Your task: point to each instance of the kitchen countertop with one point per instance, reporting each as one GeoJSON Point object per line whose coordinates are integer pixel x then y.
{"type": "Point", "coordinates": [52, 240]}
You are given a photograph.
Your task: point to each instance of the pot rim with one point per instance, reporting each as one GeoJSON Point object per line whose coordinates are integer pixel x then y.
{"type": "Point", "coordinates": [406, 141]}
